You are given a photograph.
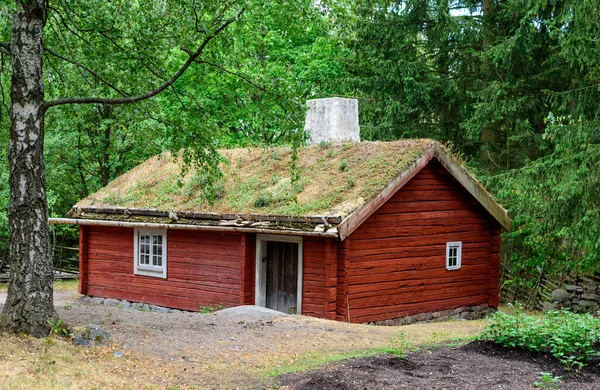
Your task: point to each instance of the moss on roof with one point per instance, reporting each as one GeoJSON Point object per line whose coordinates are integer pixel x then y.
{"type": "Point", "coordinates": [335, 179]}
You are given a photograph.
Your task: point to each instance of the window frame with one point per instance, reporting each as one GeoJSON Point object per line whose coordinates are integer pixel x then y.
{"type": "Point", "coordinates": [149, 269]}
{"type": "Point", "coordinates": [458, 246]}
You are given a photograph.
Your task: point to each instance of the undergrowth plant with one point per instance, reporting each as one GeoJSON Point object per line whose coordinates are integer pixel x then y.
{"type": "Point", "coordinates": [399, 345]}
{"type": "Point", "coordinates": [569, 337]}
{"type": "Point", "coordinates": [210, 308]}
{"type": "Point", "coordinates": [548, 381]}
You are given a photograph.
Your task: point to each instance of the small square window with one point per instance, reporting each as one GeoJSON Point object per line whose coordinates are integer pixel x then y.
{"type": "Point", "coordinates": [150, 252]}
{"type": "Point", "coordinates": [453, 255]}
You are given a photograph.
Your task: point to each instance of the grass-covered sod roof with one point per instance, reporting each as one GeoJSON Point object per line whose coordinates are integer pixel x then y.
{"type": "Point", "coordinates": [334, 179]}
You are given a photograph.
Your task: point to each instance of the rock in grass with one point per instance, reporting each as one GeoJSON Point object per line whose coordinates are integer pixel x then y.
{"type": "Point", "coordinates": [91, 335]}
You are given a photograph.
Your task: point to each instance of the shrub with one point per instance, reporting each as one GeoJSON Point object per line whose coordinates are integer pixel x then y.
{"type": "Point", "coordinates": [344, 166]}
{"type": "Point", "coordinates": [350, 182]}
{"type": "Point", "coordinates": [569, 337]}
{"type": "Point", "coordinates": [262, 201]}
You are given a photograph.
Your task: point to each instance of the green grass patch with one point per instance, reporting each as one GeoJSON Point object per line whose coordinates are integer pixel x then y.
{"type": "Point", "coordinates": [70, 284]}
{"type": "Point", "coordinates": [316, 360]}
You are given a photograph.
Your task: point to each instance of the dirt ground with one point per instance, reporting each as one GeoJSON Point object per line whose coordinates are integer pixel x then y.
{"type": "Point", "coordinates": [477, 365]}
{"type": "Point", "coordinates": [193, 350]}
{"type": "Point", "coordinates": [246, 350]}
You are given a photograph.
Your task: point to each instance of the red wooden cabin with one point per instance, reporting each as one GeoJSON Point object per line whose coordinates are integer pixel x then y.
{"type": "Point", "coordinates": [424, 237]}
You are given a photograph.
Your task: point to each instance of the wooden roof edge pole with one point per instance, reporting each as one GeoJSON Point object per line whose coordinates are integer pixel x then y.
{"type": "Point", "coordinates": [118, 210]}
{"type": "Point", "coordinates": [99, 222]}
{"type": "Point", "coordinates": [358, 216]}
{"type": "Point", "coordinates": [437, 150]}
{"type": "Point", "coordinates": [472, 185]}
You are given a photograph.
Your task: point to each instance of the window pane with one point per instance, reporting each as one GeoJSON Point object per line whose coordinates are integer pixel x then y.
{"type": "Point", "coordinates": [144, 249]}
{"type": "Point", "coordinates": [144, 259]}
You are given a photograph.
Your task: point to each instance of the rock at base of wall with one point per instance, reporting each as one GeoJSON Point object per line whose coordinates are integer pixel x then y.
{"type": "Point", "coordinates": [123, 304]}
{"type": "Point", "coordinates": [560, 295]}
{"type": "Point", "coordinates": [586, 303]}
{"type": "Point", "coordinates": [575, 289]}
{"type": "Point", "coordinates": [578, 299]}
{"type": "Point", "coordinates": [460, 313]}
{"type": "Point", "coordinates": [590, 297]}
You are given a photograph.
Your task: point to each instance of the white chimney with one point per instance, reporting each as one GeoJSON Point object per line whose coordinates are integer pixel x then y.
{"type": "Point", "coordinates": [332, 119]}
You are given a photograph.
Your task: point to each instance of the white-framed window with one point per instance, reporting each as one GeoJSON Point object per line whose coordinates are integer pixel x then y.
{"type": "Point", "coordinates": [150, 252]}
{"type": "Point", "coordinates": [453, 255]}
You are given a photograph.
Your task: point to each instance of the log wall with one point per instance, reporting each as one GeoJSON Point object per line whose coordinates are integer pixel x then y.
{"type": "Point", "coordinates": [203, 269]}
{"type": "Point", "coordinates": [320, 279]}
{"type": "Point", "coordinates": [396, 264]}
{"type": "Point", "coordinates": [248, 269]}
{"type": "Point", "coordinates": [83, 260]}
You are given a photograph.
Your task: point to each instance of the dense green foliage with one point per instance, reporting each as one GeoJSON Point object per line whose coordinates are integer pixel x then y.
{"type": "Point", "coordinates": [571, 338]}
{"type": "Point", "coordinates": [511, 86]}
{"type": "Point", "coordinates": [555, 201]}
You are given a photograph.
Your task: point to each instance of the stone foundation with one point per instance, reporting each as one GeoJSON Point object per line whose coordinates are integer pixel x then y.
{"type": "Point", "coordinates": [579, 299]}
{"type": "Point", "coordinates": [461, 313]}
{"type": "Point", "coordinates": [127, 304]}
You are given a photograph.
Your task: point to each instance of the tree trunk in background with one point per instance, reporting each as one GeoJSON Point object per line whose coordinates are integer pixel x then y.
{"type": "Point", "coordinates": [488, 134]}
{"type": "Point", "coordinates": [29, 303]}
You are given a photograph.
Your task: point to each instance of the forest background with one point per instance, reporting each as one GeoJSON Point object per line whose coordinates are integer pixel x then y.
{"type": "Point", "coordinates": [511, 86]}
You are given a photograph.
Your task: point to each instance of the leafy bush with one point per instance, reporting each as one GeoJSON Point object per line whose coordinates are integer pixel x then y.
{"type": "Point", "coordinates": [569, 337]}
{"type": "Point", "coordinates": [262, 201]}
{"type": "Point", "coordinates": [344, 166]}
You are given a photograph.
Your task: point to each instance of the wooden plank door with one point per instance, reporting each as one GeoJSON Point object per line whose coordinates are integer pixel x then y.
{"type": "Point", "coordinates": [282, 276]}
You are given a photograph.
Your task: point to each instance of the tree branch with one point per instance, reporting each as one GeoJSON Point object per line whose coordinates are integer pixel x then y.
{"type": "Point", "coordinates": [238, 75]}
{"type": "Point", "coordinates": [5, 48]}
{"type": "Point", "coordinates": [133, 99]}
{"type": "Point", "coordinates": [105, 82]}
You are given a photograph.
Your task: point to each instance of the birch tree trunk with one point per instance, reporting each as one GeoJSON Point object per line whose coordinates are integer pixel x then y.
{"type": "Point", "coordinates": [30, 302]}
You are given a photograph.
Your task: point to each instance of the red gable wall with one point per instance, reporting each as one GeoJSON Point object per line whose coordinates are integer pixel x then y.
{"type": "Point", "coordinates": [396, 260]}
